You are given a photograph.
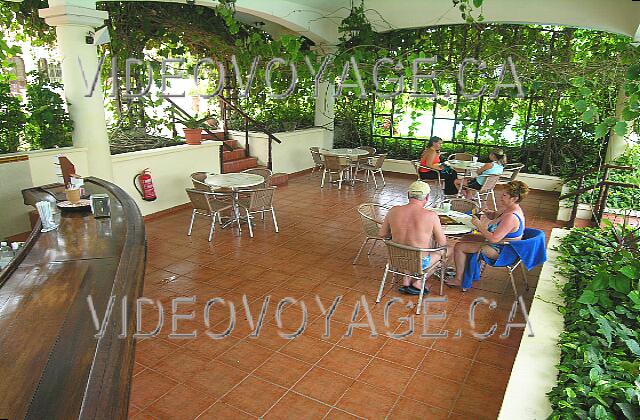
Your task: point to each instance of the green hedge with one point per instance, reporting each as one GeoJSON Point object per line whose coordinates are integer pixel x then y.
{"type": "Point", "coordinates": [600, 355]}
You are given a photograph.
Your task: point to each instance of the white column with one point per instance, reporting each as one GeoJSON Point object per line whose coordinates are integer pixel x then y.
{"type": "Point", "coordinates": [617, 144]}
{"type": "Point", "coordinates": [73, 24]}
{"type": "Point", "coordinates": [325, 102]}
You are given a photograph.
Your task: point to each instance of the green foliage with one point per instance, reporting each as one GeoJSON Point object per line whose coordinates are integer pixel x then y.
{"type": "Point", "coordinates": [600, 355]}
{"type": "Point", "coordinates": [49, 124]}
{"type": "Point", "coordinates": [12, 119]}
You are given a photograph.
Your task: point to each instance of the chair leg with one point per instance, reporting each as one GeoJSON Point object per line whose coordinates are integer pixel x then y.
{"type": "Point", "coordinates": [275, 222]}
{"type": "Point", "coordinates": [524, 276]}
{"type": "Point", "coordinates": [360, 250]}
{"type": "Point", "coordinates": [384, 279]}
{"type": "Point", "coordinates": [366, 178]}
{"type": "Point", "coordinates": [424, 285]}
{"type": "Point", "coordinates": [193, 217]}
{"type": "Point", "coordinates": [384, 183]}
{"type": "Point", "coordinates": [372, 246]}
{"type": "Point", "coordinates": [493, 197]}
{"type": "Point", "coordinates": [324, 173]}
{"type": "Point", "coordinates": [513, 282]}
{"type": "Point", "coordinates": [443, 267]}
{"type": "Point", "coordinates": [373, 175]}
{"type": "Point", "coordinates": [213, 226]}
{"type": "Point", "coordinates": [340, 180]}
{"type": "Point", "coordinates": [248, 223]}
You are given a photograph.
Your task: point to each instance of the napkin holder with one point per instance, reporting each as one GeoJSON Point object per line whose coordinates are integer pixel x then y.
{"type": "Point", "coordinates": [100, 205]}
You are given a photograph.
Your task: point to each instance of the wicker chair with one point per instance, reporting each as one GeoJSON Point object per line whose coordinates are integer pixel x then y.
{"type": "Point", "coordinates": [258, 200]}
{"type": "Point", "coordinates": [407, 261]}
{"type": "Point", "coordinates": [483, 194]}
{"type": "Point", "coordinates": [263, 172]}
{"type": "Point", "coordinates": [462, 205]}
{"type": "Point", "coordinates": [197, 178]}
{"type": "Point", "coordinates": [461, 156]}
{"type": "Point", "coordinates": [511, 172]}
{"type": "Point", "coordinates": [371, 150]}
{"type": "Point", "coordinates": [373, 169]}
{"type": "Point", "coordinates": [317, 159]}
{"type": "Point", "coordinates": [437, 185]}
{"type": "Point", "coordinates": [210, 204]}
{"type": "Point", "coordinates": [371, 215]}
{"type": "Point", "coordinates": [335, 165]}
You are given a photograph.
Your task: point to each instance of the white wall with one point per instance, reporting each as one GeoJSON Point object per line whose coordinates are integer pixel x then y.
{"type": "Point", "coordinates": [538, 182]}
{"type": "Point", "coordinates": [292, 155]}
{"type": "Point", "coordinates": [15, 176]}
{"type": "Point", "coordinates": [170, 168]}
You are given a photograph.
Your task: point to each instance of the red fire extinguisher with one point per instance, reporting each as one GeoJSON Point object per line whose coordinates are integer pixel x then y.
{"type": "Point", "coordinates": [144, 185]}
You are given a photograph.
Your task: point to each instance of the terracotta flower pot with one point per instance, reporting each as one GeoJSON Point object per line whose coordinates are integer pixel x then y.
{"type": "Point", "coordinates": [193, 135]}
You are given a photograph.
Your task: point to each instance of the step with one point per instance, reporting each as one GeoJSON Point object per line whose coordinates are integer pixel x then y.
{"type": "Point", "coordinates": [217, 135]}
{"type": "Point", "coordinates": [240, 165]}
{"type": "Point", "coordinates": [279, 179]}
{"type": "Point", "coordinates": [229, 155]}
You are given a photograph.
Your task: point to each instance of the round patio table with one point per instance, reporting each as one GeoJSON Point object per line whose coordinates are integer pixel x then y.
{"type": "Point", "coordinates": [464, 165]}
{"type": "Point", "coordinates": [463, 227]}
{"type": "Point", "coordinates": [234, 181]}
{"type": "Point", "coordinates": [351, 153]}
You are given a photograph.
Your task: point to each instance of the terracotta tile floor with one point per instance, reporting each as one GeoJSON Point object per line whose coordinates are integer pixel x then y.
{"type": "Point", "coordinates": [313, 376]}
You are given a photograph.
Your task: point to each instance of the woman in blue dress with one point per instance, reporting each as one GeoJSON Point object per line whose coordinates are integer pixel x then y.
{"type": "Point", "coordinates": [494, 227]}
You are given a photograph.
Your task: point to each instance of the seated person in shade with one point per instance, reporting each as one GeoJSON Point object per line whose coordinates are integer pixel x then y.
{"type": "Point", "coordinates": [431, 167]}
{"type": "Point", "coordinates": [495, 166]}
{"type": "Point", "coordinates": [413, 225]}
{"type": "Point", "coordinates": [494, 227]}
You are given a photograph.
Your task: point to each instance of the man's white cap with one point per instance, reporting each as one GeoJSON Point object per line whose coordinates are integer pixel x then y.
{"type": "Point", "coordinates": [419, 187]}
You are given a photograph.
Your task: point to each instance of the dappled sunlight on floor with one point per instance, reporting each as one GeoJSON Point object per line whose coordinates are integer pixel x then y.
{"type": "Point", "coordinates": [315, 376]}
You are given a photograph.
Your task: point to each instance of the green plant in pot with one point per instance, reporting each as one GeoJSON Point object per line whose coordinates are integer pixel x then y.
{"type": "Point", "coordinates": [193, 128]}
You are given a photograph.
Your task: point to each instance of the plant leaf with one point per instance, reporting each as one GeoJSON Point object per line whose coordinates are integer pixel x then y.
{"type": "Point", "coordinates": [588, 297]}
{"type": "Point", "coordinates": [620, 128]}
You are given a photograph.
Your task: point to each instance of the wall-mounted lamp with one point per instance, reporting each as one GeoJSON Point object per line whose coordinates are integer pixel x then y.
{"type": "Point", "coordinates": [99, 37]}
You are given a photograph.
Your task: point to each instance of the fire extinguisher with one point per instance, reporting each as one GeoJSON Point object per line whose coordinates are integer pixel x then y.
{"type": "Point", "coordinates": [144, 184]}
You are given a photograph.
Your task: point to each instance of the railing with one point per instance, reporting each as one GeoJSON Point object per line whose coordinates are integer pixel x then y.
{"type": "Point", "coordinates": [225, 105]}
{"type": "Point", "coordinates": [604, 184]}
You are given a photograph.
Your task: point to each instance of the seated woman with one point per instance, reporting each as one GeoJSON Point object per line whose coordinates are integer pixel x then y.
{"type": "Point", "coordinates": [494, 227]}
{"type": "Point", "coordinates": [431, 166]}
{"type": "Point", "coordinates": [495, 166]}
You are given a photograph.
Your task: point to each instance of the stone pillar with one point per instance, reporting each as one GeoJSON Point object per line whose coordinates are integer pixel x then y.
{"type": "Point", "coordinates": [325, 102]}
{"type": "Point", "coordinates": [73, 24]}
{"type": "Point", "coordinates": [617, 144]}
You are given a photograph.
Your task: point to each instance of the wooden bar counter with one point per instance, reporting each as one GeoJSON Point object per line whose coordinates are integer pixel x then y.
{"type": "Point", "coordinates": [52, 365]}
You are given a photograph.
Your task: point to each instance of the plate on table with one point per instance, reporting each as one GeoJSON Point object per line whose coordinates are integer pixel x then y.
{"type": "Point", "coordinates": [457, 229]}
{"type": "Point", "coordinates": [83, 204]}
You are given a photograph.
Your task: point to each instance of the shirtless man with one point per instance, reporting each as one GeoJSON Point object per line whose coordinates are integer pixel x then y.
{"type": "Point", "coordinates": [415, 226]}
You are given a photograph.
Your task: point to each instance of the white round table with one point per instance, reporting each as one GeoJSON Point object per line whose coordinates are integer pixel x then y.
{"type": "Point", "coordinates": [465, 226]}
{"type": "Point", "coordinates": [233, 180]}
{"type": "Point", "coordinates": [464, 165]}
{"type": "Point", "coordinates": [351, 153]}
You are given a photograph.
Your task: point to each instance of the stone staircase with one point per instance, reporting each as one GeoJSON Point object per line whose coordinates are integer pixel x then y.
{"type": "Point", "coordinates": [236, 160]}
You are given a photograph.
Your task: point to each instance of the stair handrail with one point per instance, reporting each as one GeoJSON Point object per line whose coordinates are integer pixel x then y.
{"type": "Point", "coordinates": [260, 126]}
{"type": "Point", "coordinates": [603, 184]}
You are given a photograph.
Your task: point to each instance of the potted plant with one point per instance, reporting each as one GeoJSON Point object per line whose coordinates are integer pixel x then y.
{"type": "Point", "coordinates": [193, 128]}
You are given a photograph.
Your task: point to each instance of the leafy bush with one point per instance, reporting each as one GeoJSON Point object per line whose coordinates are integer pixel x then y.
{"type": "Point", "coordinates": [600, 355]}
{"type": "Point", "coordinates": [12, 119]}
{"type": "Point", "coordinates": [49, 124]}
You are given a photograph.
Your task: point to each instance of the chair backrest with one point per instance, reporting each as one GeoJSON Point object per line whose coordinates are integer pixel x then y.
{"type": "Point", "coordinates": [490, 183]}
{"type": "Point", "coordinates": [461, 156]}
{"type": "Point", "coordinates": [198, 199]}
{"type": "Point", "coordinates": [417, 166]}
{"type": "Point", "coordinates": [263, 172]}
{"type": "Point", "coordinates": [404, 258]}
{"type": "Point", "coordinates": [197, 178]}
{"type": "Point", "coordinates": [380, 160]}
{"type": "Point", "coordinates": [315, 154]}
{"type": "Point", "coordinates": [463, 205]}
{"type": "Point", "coordinates": [514, 168]}
{"type": "Point", "coordinates": [372, 215]}
{"type": "Point", "coordinates": [333, 163]}
{"type": "Point", "coordinates": [371, 150]}
{"type": "Point", "coordinates": [260, 198]}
